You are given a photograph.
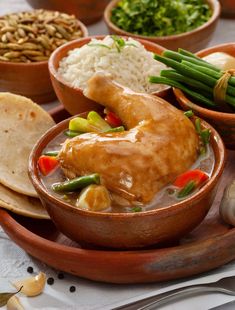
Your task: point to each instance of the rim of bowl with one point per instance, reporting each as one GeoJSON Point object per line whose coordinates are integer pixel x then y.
{"type": "Point", "coordinates": [184, 204]}
{"type": "Point", "coordinates": [214, 4]}
{"type": "Point", "coordinates": [184, 100]}
{"type": "Point", "coordinates": [85, 34]}
{"type": "Point", "coordinates": [53, 56]}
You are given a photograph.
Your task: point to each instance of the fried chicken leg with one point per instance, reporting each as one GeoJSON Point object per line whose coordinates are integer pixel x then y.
{"type": "Point", "coordinates": [160, 143]}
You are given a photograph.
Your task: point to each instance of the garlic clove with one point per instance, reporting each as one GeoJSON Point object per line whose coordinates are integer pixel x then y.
{"type": "Point", "coordinates": [227, 206]}
{"type": "Point", "coordinates": [32, 286]}
{"type": "Point", "coordinates": [14, 304]}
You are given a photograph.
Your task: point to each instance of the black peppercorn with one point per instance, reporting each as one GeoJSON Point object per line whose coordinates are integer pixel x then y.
{"type": "Point", "coordinates": [50, 281]}
{"type": "Point", "coordinates": [30, 269]}
{"type": "Point", "coordinates": [72, 289]}
{"type": "Point", "coordinates": [60, 275]}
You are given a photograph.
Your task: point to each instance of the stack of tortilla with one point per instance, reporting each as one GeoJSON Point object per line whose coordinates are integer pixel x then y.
{"type": "Point", "coordinates": [22, 123]}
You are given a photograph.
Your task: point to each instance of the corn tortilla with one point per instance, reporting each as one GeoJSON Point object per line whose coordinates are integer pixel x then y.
{"type": "Point", "coordinates": [22, 123]}
{"type": "Point", "coordinates": [22, 204]}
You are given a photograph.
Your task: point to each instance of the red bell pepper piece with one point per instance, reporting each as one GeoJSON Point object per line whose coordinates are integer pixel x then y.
{"type": "Point", "coordinates": [197, 176]}
{"type": "Point", "coordinates": [47, 164]}
{"type": "Point", "coordinates": [112, 119]}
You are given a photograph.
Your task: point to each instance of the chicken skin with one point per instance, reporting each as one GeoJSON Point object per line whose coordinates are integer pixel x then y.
{"type": "Point", "coordinates": [159, 143]}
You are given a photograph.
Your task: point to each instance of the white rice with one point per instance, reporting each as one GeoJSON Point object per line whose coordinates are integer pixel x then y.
{"type": "Point", "coordinates": [130, 67]}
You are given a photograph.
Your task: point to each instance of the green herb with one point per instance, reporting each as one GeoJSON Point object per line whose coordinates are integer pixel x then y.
{"type": "Point", "coordinates": [198, 126]}
{"type": "Point", "coordinates": [160, 17]}
{"type": "Point", "coordinates": [136, 209]}
{"type": "Point", "coordinates": [119, 42]}
{"type": "Point", "coordinates": [186, 190]}
{"type": "Point", "coordinates": [189, 113]}
{"type": "Point", "coordinates": [4, 297]}
{"type": "Point", "coordinates": [205, 136]}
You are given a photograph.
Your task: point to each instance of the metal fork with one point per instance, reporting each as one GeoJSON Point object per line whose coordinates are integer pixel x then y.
{"type": "Point", "coordinates": [221, 286]}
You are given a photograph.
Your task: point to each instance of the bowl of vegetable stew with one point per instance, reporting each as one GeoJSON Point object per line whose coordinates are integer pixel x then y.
{"type": "Point", "coordinates": [132, 227]}
{"type": "Point", "coordinates": [224, 119]}
{"type": "Point", "coordinates": [135, 19]}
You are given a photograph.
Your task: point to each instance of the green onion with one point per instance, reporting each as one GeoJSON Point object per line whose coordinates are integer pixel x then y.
{"type": "Point", "coordinates": [95, 120]}
{"type": "Point", "coordinates": [186, 190]}
{"type": "Point", "coordinates": [79, 124]}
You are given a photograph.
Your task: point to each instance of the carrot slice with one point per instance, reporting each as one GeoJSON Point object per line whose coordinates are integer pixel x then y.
{"type": "Point", "coordinates": [198, 176]}
{"type": "Point", "coordinates": [47, 164]}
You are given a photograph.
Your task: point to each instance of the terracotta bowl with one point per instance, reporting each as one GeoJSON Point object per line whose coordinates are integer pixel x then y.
{"type": "Point", "coordinates": [193, 40]}
{"type": "Point", "coordinates": [72, 98]}
{"type": "Point", "coordinates": [29, 79]}
{"type": "Point", "coordinates": [127, 230]}
{"type": "Point", "coordinates": [88, 11]}
{"type": "Point", "coordinates": [223, 122]}
{"type": "Point", "coordinates": [228, 8]}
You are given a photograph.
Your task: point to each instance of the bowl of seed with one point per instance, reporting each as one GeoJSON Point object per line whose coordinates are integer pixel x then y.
{"type": "Point", "coordinates": [27, 40]}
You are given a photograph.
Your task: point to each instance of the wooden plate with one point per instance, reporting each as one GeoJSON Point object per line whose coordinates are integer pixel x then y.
{"type": "Point", "coordinates": [209, 246]}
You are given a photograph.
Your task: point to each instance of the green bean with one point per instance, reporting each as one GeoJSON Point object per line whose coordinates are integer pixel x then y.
{"type": "Point", "coordinates": [208, 65]}
{"type": "Point", "coordinates": [186, 80]}
{"type": "Point", "coordinates": [77, 183]}
{"type": "Point", "coordinates": [186, 190]}
{"type": "Point", "coordinates": [187, 70]}
{"type": "Point", "coordinates": [203, 62]}
{"type": "Point", "coordinates": [230, 89]}
{"type": "Point", "coordinates": [193, 94]}
{"type": "Point", "coordinates": [51, 153]}
{"type": "Point", "coordinates": [179, 57]}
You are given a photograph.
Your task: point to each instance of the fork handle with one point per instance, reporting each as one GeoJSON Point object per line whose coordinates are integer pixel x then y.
{"type": "Point", "coordinates": [166, 297]}
{"type": "Point", "coordinates": [182, 292]}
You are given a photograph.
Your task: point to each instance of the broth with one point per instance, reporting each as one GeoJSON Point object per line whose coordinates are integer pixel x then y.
{"type": "Point", "coordinates": [166, 197]}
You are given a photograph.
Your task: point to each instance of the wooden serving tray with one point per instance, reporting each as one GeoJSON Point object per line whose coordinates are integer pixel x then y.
{"type": "Point", "coordinates": [209, 246]}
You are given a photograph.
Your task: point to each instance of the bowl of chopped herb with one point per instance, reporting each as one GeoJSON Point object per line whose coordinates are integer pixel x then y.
{"type": "Point", "coordinates": [189, 24]}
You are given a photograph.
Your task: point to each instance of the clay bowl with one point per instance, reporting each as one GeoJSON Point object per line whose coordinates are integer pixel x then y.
{"type": "Point", "coordinates": [127, 230]}
{"type": "Point", "coordinates": [228, 8]}
{"type": "Point", "coordinates": [72, 98]}
{"type": "Point", "coordinates": [224, 123]}
{"type": "Point", "coordinates": [88, 11]}
{"type": "Point", "coordinates": [193, 40]}
{"type": "Point", "coordinates": [31, 80]}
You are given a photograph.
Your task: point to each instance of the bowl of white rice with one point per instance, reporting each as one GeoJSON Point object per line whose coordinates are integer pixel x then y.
{"type": "Point", "coordinates": [127, 61]}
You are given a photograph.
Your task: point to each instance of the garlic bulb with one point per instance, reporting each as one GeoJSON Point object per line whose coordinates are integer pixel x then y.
{"type": "Point", "coordinates": [220, 60]}
{"type": "Point", "coordinates": [227, 206]}
{"type": "Point", "coordinates": [94, 198]}
{"type": "Point", "coordinates": [14, 304]}
{"type": "Point", "coordinates": [32, 286]}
